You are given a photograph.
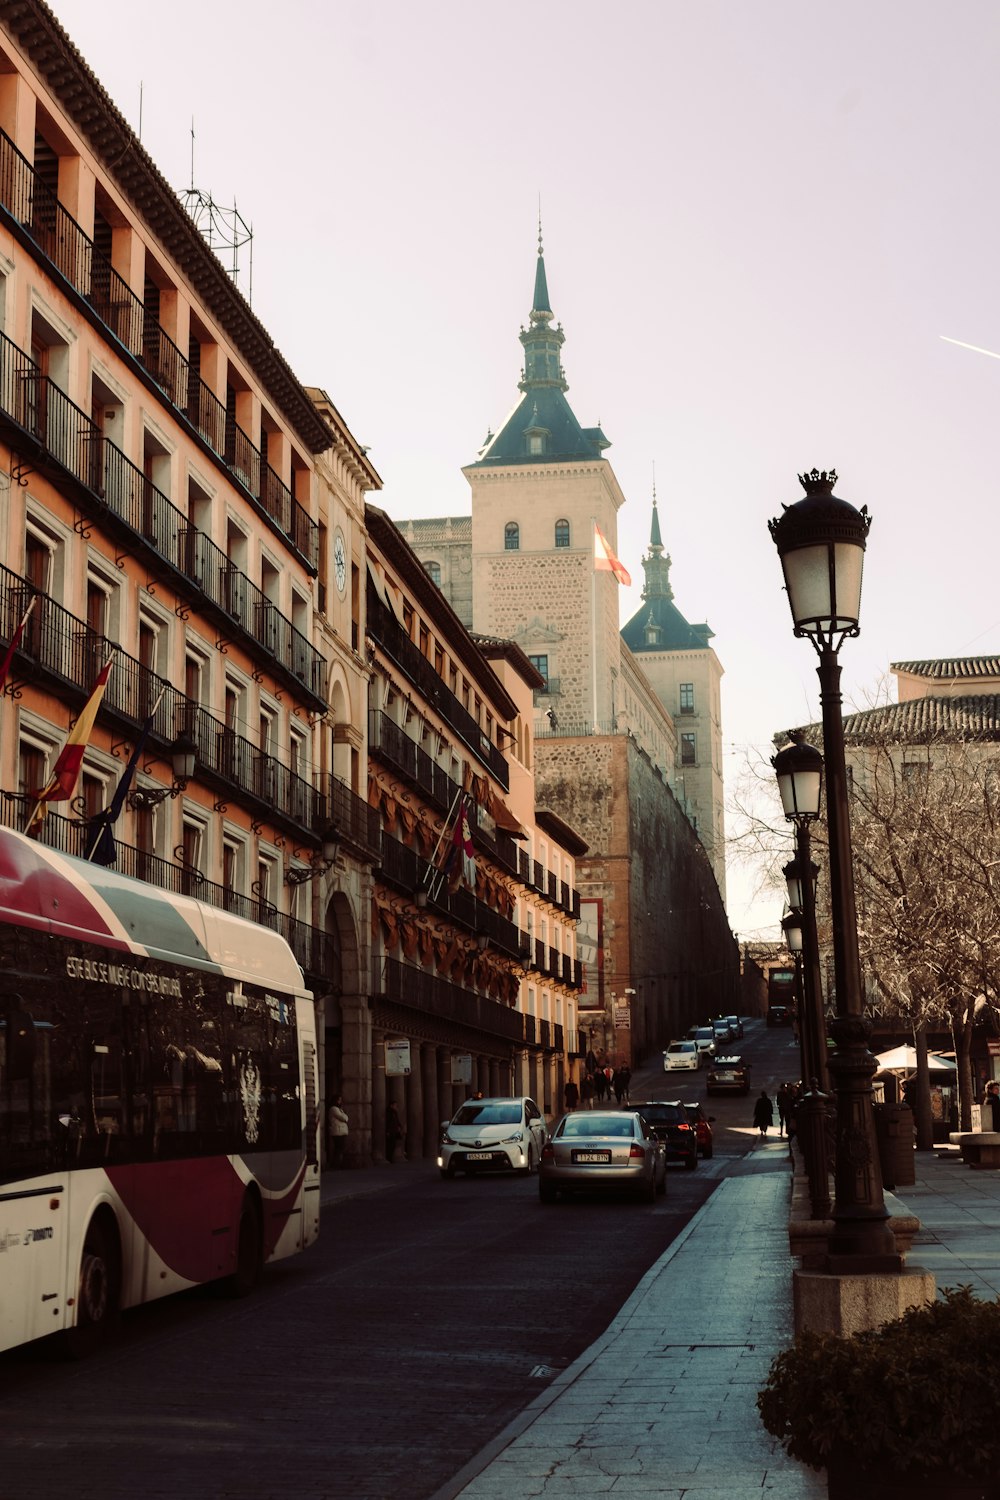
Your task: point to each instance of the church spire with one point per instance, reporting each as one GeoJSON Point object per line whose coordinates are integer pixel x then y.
{"type": "Point", "coordinates": [542, 362]}
{"type": "Point", "coordinates": [656, 565]}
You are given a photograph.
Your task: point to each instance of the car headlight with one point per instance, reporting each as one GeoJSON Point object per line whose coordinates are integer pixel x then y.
{"type": "Point", "coordinates": [513, 1140]}
{"type": "Point", "coordinates": [448, 1140]}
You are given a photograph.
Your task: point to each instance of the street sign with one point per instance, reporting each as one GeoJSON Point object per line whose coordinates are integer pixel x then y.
{"type": "Point", "coordinates": [397, 1059]}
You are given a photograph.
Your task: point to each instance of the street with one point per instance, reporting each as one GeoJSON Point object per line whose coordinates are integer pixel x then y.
{"type": "Point", "coordinates": [377, 1363]}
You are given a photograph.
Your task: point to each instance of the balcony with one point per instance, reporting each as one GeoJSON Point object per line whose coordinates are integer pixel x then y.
{"type": "Point", "coordinates": [120, 497]}
{"type": "Point", "coordinates": [60, 652]}
{"type": "Point", "coordinates": [354, 820]}
{"type": "Point", "coordinates": [419, 990]}
{"type": "Point", "coordinates": [393, 746]}
{"type": "Point", "coordinates": [402, 868]}
{"type": "Point", "coordinates": [386, 630]}
{"type": "Point", "coordinates": [314, 949]}
{"type": "Point", "coordinates": [31, 204]}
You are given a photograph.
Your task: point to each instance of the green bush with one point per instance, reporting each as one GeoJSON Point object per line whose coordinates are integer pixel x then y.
{"type": "Point", "coordinates": [919, 1393]}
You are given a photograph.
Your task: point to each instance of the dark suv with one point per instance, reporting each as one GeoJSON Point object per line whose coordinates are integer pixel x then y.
{"type": "Point", "coordinates": [670, 1122]}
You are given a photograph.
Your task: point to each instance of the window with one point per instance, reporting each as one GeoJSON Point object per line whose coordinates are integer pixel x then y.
{"type": "Point", "coordinates": [541, 665]}
{"type": "Point", "coordinates": [689, 749]}
{"type": "Point", "coordinates": [687, 697]}
{"type": "Point", "coordinates": [512, 537]}
{"type": "Point", "coordinates": [536, 442]}
{"type": "Point", "coordinates": [433, 571]}
{"type": "Point", "coordinates": [562, 533]}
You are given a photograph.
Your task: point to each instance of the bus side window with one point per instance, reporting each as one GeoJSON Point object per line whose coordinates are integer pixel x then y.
{"type": "Point", "coordinates": [19, 1029]}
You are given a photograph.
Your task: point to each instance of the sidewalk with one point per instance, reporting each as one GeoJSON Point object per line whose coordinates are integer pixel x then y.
{"type": "Point", "coordinates": [664, 1403]}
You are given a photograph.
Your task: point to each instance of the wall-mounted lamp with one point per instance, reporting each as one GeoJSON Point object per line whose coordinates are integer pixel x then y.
{"type": "Point", "coordinates": [183, 754]}
{"type": "Point", "coordinates": [482, 941]}
{"type": "Point", "coordinates": [320, 862]}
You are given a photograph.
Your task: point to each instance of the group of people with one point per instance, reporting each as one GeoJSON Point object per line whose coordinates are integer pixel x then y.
{"type": "Point", "coordinates": [338, 1127]}
{"type": "Point", "coordinates": [784, 1104]}
{"type": "Point", "coordinates": [600, 1082]}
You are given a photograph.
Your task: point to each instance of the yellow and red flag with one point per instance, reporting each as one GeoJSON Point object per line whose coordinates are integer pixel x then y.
{"type": "Point", "coordinates": [66, 772]}
{"type": "Point", "coordinates": [605, 559]}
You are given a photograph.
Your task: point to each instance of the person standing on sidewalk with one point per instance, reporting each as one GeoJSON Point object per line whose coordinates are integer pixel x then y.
{"type": "Point", "coordinates": [783, 1099]}
{"type": "Point", "coordinates": [571, 1095]}
{"type": "Point", "coordinates": [990, 1119]}
{"type": "Point", "coordinates": [394, 1131]}
{"type": "Point", "coordinates": [337, 1126]}
{"type": "Point", "coordinates": [763, 1114]}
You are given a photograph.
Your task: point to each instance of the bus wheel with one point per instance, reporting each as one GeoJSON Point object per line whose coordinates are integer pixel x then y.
{"type": "Point", "coordinates": [249, 1250]}
{"type": "Point", "coordinates": [98, 1292]}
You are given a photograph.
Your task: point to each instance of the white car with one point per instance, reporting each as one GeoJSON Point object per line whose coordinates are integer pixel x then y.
{"type": "Point", "coordinates": [681, 1056]}
{"type": "Point", "coordinates": [493, 1135]}
{"type": "Point", "coordinates": [704, 1039]}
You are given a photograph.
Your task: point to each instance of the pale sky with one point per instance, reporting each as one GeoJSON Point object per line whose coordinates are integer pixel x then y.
{"type": "Point", "coordinates": [759, 218]}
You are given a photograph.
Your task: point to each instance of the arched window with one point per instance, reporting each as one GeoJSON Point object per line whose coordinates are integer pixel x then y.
{"type": "Point", "coordinates": [562, 533]}
{"type": "Point", "coordinates": [512, 537]}
{"type": "Point", "coordinates": [433, 571]}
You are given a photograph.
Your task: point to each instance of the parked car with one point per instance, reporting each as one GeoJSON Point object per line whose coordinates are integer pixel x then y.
{"type": "Point", "coordinates": [704, 1038]}
{"type": "Point", "coordinates": [668, 1119]}
{"type": "Point", "coordinates": [779, 1015]}
{"type": "Point", "coordinates": [735, 1028]}
{"type": "Point", "coordinates": [602, 1149]}
{"type": "Point", "coordinates": [493, 1135]}
{"type": "Point", "coordinates": [681, 1056]}
{"type": "Point", "coordinates": [702, 1128]}
{"type": "Point", "coordinates": [728, 1073]}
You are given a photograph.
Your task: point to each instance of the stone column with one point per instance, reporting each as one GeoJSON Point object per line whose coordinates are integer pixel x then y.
{"type": "Point", "coordinates": [395, 1093]}
{"type": "Point", "coordinates": [494, 1072]}
{"type": "Point", "coordinates": [415, 1104]}
{"type": "Point", "coordinates": [432, 1108]}
{"type": "Point", "coordinates": [379, 1096]}
{"type": "Point", "coordinates": [482, 1074]}
{"type": "Point", "coordinates": [357, 1059]}
{"type": "Point", "coordinates": [522, 1077]}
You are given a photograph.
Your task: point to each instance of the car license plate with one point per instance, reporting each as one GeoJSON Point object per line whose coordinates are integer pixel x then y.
{"type": "Point", "coordinates": [726, 1077]}
{"type": "Point", "coordinates": [598, 1156]}
{"type": "Point", "coordinates": [479, 1156]}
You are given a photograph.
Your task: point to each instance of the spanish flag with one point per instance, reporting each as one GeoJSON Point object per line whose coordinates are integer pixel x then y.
{"type": "Point", "coordinates": [66, 772]}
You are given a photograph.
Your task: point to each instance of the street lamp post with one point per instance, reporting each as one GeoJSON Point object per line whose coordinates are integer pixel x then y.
{"type": "Point", "coordinates": [821, 544]}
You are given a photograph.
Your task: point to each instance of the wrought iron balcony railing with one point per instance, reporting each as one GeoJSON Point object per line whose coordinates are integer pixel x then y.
{"type": "Point", "coordinates": [391, 744]}
{"type": "Point", "coordinates": [119, 490]}
{"type": "Point", "coordinates": [384, 628]}
{"type": "Point", "coordinates": [402, 868]}
{"type": "Point", "coordinates": [29, 200]}
{"type": "Point", "coordinates": [61, 650]}
{"type": "Point", "coordinates": [415, 988]}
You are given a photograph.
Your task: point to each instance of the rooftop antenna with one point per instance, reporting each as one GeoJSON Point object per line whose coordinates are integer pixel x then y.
{"type": "Point", "coordinates": [224, 230]}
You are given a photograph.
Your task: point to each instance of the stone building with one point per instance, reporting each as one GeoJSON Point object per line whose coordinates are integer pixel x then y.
{"type": "Point", "coordinates": [609, 758]}
{"type": "Point", "coordinates": [474, 974]}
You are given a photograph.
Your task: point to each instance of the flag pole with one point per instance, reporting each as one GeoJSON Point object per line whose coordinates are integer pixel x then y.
{"type": "Point", "coordinates": [105, 821]}
{"type": "Point", "coordinates": [436, 880]}
{"type": "Point", "coordinates": [593, 622]}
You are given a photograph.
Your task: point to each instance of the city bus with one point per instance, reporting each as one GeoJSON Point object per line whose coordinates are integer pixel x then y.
{"type": "Point", "coordinates": [158, 1097]}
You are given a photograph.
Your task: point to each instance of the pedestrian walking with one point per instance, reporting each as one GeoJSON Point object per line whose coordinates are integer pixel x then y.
{"type": "Point", "coordinates": [587, 1091]}
{"type": "Point", "coordinates": [783, 1099]}
{"type": "Point", "coordinates": [600, 1086]}
{"type": "Point", "coordinates": [337, 1126]}
{"type": "Point", "coordinates": [571, 1095]}
{"type": "Point", "coordinates": [625, 1074]}
{"type": "Point", "coordinates": [395, 1130]}
{"type": "Point", "coordinates": [763, 1114]}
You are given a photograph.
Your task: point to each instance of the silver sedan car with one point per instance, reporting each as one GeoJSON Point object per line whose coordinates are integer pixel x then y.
{"type": "Point", "coordinates": [602, 1149]}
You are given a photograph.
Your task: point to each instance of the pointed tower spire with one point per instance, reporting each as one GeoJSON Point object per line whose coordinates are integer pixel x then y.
{"type": "Point", "coordinates": [542, 361]}
{"type": "Point", "coordinates": [655, 541]}
{"type": "Point", "coordinates": [656, 565]}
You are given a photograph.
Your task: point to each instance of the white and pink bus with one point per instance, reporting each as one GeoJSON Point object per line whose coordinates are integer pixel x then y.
{"type": "Point", "coordinates": [158, 1096]}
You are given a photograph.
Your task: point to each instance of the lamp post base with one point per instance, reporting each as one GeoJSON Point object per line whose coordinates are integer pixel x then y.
{"type": "Point", "coordinates": [862, 1240]}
